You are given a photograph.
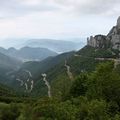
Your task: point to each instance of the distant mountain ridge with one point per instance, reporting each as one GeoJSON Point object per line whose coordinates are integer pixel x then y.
{"type": "Point", "coordinates": [57, 45]}
{"type": "Point", "coordinates": [28, 53]}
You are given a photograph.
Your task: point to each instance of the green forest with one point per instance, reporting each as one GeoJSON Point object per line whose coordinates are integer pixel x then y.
{"type": "Point", "coordinates": [91, 96]}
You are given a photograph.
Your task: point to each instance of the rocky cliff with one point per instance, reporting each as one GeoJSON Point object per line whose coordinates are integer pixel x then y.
{"type": "Point", "coordinates": [111, 40]}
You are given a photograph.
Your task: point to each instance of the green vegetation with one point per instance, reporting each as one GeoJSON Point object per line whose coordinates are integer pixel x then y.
{"type": "Point", "coordinates": [56, 71]}
{"type": "Point", "coordinates": [91, 96]}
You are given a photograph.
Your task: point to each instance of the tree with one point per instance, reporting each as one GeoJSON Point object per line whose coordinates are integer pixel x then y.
{"type": "Point", "coordinates": [79, 86]}
{"type": "Point", "coordinates": [104, 83]}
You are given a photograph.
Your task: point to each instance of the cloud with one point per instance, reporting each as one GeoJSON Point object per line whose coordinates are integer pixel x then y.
{"type": "Point", "coordinates": [94, 7]}
{"type": "Point", "coordinates": [16, 8]}
{"type": "Point", "coordinates": [45, 18]}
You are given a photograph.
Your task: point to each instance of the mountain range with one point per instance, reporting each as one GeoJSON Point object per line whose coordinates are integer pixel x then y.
{"type": "Point", "coordinates": [57, 71]}
{"type": "Point", "coordinates": [28, 53]}
{"type": "Point", "coordinates": [58, 46]}
{"type": "Point", "coordinates": [74, 85]}
{"type": "Point", "coordinates": [61, 69]}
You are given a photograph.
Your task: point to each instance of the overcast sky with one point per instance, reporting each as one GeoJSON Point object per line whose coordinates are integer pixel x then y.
{"type": "Point", "coordinates": [57, 18]}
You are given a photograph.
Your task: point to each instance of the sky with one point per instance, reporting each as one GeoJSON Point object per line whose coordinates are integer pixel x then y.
{"type": "Point", "coordinates": [57, 19]}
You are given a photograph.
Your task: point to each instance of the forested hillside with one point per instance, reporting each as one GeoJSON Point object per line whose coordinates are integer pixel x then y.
{"type": "Point", "coordinates": [58, 76]}
{"type": "Point", "coordinates": [93, 95]}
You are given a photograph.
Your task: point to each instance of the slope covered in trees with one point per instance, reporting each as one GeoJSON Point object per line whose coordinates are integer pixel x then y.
{"type": "Point", "coordinates": [92, 96]}
{"type": "Point", "coordinates": [57, 70]}
{"type": "Point", "coordinates": [79, 62]}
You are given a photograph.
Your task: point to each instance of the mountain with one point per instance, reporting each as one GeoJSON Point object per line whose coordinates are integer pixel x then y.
{"type": "Point", "coordinates": [28, 53]}
{"type": "Point", "coordinates": [61, 70]}
{"type": "Point", "coordinates": [29, 72]}
{"type": "Point", "coordinates": [46, 64]}
{"type": "Point", "coordinates": [61, 75]}
{"type": "Point", "coordinates": [56, 74]}
{"type": "Point", "coordinates": [76, 88]}
{"type": "Point", "coordinates": [109, 41]}
{"type": "Point", "coordinates": [59, 46]}
{"type": "Point", "coordinates": [56, 45]}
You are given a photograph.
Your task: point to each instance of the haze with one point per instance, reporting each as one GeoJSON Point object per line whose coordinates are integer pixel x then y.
{"type": "Point", "coordinates": [56, 19]}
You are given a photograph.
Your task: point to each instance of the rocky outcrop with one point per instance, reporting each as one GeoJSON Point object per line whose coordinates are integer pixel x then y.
{"type": "Point", "coordinates": [111, 40]}
{"type": "Point", "coordinates": [99, 41]}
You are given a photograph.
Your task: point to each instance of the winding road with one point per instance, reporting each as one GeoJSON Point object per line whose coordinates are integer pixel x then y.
{"type": "Point", "coordinates": [116, 61]}
{"type": "Point", "coordinates": [70, 75]}
{"type": "Point", "coordinates": [47, 84]}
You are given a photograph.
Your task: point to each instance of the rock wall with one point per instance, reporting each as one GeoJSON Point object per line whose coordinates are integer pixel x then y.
{"type": "Point", "coordinates": [112, 40]}
{"type": "Point", "coordinates": [98, 41]}
{"type": "Point", "coordinates": [118, 23]}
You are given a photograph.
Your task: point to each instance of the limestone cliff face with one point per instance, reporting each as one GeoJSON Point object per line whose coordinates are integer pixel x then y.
{"type": "Point", "coordinates": [112, 40]}
{"type": "Point", "coordinates": [98, 41]}
{"type": "Point", "coordinates": [118, 23]}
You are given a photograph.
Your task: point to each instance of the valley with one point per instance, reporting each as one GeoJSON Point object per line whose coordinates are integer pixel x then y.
{"type": "Point", "coordinates": [40, 84]}
{"type": "Point", "coordinates": [59, 59]}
